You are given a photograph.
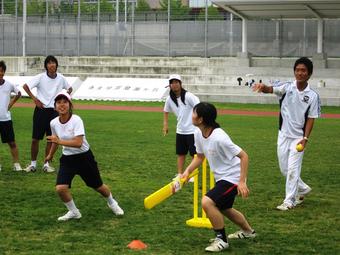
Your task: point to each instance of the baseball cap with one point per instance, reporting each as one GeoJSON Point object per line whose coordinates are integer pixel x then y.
{"type": "Point", "coordinates": [175, 77]}
{"type": "Point", "coordinates": [63, 94]}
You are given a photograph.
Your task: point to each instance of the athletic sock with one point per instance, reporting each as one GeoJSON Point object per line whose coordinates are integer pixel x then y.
{"type": "Point", "coordinates": [111, 200]}
{"type": "Point", "coordinates": [220, 233]}
{"type": "Point", "coordinates": [71, 206]}
{"type": "Point", "coordinates": [46, 164]}
{"type": "Point", "coordinates": [34, 163]}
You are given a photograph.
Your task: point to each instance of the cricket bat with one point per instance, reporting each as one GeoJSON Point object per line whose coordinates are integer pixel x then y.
{"type": "Point", "coordinates": [168, 190]}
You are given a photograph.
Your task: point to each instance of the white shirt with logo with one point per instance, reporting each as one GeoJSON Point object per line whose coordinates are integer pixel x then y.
{"type": "Point", "coordinates": [296, 107]}
{"type": "Point", "coordinates": [183, 112]}
{"type": "Point", "coordinates": [48, 88]}
{"type": "Point", "coordinates": [66, 131]}
{"type": "Point", "coordinates": [5, 97]}
{"type": "Point", "coordinates": [221, 154]}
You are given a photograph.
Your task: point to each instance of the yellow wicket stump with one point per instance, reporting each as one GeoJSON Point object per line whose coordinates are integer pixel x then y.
{"type": "Point", "coordinates": [203, 221]}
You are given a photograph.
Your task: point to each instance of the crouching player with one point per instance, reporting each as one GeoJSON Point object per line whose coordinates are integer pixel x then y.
{"type": "Point", "coordinates": [229, 164]}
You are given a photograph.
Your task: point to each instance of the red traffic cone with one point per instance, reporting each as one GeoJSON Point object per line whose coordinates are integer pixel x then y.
{"type": "Point", "coordinates": [137, 245]}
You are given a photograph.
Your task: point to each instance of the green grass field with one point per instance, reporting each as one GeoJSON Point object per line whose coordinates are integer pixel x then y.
{"type": "Point", "coordinates": [135, 160]}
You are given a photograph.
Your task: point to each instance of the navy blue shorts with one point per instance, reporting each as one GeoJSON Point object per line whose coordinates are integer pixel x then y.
{"type": "Point", "coordinates": [41, 122]}
{"type": "Point", "coordinates": [185, 144]}
{"type": "Point", "coordinates": [223, 194]}
{"type": "Point", "coordinates": [82, 164]}
{"type": "Point", "coordinates": [7, 132]}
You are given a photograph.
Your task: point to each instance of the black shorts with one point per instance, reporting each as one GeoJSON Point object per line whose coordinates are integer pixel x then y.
{"type": "Point", "coordinates": [82, 164]}
{"type": "Point", "coordinates": [7, 132]}
{"type": "Point", "coordinates": [223, 194]}
{"type": "Point", "coordinates": [41, 122]}
{"type": "Point", "coordinates": [185, 144]}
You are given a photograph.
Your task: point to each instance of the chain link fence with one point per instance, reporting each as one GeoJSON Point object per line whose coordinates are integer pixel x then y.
{"type": "Point", "coordinates": [129, 28]}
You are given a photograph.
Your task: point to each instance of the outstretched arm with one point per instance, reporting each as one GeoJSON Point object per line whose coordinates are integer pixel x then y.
{"type": "Point", "coordinates": [260, 87]}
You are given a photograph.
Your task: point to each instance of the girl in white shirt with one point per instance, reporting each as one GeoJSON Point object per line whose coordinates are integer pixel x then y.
{"type": "Point", "coordinates": [229, 164]}
{"type": "Point", "coordinates": [77, 159]}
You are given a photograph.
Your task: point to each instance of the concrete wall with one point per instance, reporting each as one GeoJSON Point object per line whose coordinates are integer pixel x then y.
{"type": "Point", "coordinates": [213, 79]}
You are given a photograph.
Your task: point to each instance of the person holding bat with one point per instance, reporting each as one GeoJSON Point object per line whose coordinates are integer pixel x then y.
{"type": "Point", "coordinates": [77, 158]}
{"type": "Point", "coordinates": [229, 164]}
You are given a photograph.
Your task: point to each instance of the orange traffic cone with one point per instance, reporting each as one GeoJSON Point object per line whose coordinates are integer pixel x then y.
{"type": "Point", "coordinates": [137, 245]}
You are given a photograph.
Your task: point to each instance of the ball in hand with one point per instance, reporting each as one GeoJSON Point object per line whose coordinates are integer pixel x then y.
{"type": "Point", "coordinates": [299, 147]}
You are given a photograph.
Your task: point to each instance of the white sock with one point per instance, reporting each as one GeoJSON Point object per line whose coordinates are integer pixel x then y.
{"type": "Point", "coordinates": [46, 164]}
{"type": "Point", "coordinates": [16, 164]}
{"type": "Point", "coordinates": [34, 163]}
{"type": "Point", "coordinates": [71, 206]}
{"type": "Point", "coordinates": [111, 200]}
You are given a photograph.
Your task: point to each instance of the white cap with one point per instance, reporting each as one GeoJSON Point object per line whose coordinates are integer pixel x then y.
{"type": "Point", "coordinates": [175, 77]}
{"type": "Point", "coordinates": [63, 94]}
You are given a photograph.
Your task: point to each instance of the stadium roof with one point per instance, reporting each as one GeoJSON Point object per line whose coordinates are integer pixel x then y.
{"type": "Point", "coordinates": [282, 9]}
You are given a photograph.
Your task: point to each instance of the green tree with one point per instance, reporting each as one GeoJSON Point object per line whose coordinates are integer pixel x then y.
{"type": "Point", "coordinates": [142, 6]}
{"type": "Point", "coordinates": [213, 14]}
{"type": "Point", "coordinates": [178, 11]}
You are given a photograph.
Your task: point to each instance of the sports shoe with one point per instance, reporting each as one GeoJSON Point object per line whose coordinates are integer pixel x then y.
{"type": "Point", "coordinates": [17, 167]}
{"type": "Point", "coordinates": [242, 235]}
{"type": "Point", "coordinates": [70, 215]}
{"type": "Point", "coordinates": [30, 168]}
{"type": "Point", "coordinates": [48, 169]}
{"type": "Point", "coordinates": [116, 209]}
{"type": "Point", "coordinates": [284, 207]}
{"type": "Point", "coordinates": [217, 245]}
{"type": "Point", "coordinates": [300, 197]}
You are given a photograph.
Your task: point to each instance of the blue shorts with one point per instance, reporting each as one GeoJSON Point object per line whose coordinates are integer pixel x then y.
{"type": "Point", "coordinates": [223, 194]}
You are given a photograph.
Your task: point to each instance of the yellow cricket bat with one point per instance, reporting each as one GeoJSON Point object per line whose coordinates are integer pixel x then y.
{"type": "Point", "coordinates": [168, 190]}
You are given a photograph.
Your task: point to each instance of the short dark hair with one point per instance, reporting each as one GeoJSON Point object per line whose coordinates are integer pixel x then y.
{"type": "Point", "coordinates": [50, 58]}
{"type": "Point", "coordinates": [208, 113]}
{"type": "Point", "coordinates": [305, 61]}
{"type": "Point", "coordinates": [3, 65]}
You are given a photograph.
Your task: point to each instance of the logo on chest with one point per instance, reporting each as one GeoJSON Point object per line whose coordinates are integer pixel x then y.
{"type": "Point", "coordinates": [305, 99]}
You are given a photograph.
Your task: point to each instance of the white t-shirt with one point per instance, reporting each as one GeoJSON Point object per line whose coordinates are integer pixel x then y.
{"type": "Point", "coordinates": [296, 107]}
{"type": "Point", "coordinates": [5, 97]}
{"type": "Point", "coordinates": [48, 88]}
{"type": "Point", "coordinates": [221, 153]}
{"type": "Point", "coordinates": [73, 127]}
{"type": "Point", "coordinates": [183, 112]}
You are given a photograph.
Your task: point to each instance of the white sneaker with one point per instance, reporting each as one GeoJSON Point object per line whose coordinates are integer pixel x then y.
{"type": "Point", "coordinates": [242, 235]}
{"type": "Point", "coordinates": [284, 207]}
{"type": "Point", "coordinates": [70, 215]}
{"type": "Point", "coordinates": [217, 245]}
{"type": "Point", "coordinates": [116, 209]}
{"type": "Point", "coordinates": [30, 168]}
{"type": "Point", "coordinates": [48, 169]}
{"type": "Point", "coordinates": [300, 197]}
{"type": "Point", "coordinates": [17, 167]}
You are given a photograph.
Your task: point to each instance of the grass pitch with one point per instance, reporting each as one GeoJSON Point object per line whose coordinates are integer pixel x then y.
{"type": "Point", "coordinates": [135, 160]}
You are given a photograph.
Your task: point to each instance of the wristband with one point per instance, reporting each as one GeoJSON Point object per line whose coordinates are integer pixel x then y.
{"type": "Point", "coordinates": [305, 138]}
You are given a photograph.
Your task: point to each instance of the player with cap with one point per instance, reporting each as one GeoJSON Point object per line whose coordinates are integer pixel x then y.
{"type": "Point", "coordinates": [181, 103]}
{"type": "Point", "coordinates": [299, 107]}
{"type": "Point", "coordinates": [77, 158]}
{"type": "Point", "coordinates": [48, 85]}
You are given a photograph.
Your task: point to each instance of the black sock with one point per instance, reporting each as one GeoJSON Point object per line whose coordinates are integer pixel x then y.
{"type": "Point", "coordinates": [220, 233]}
